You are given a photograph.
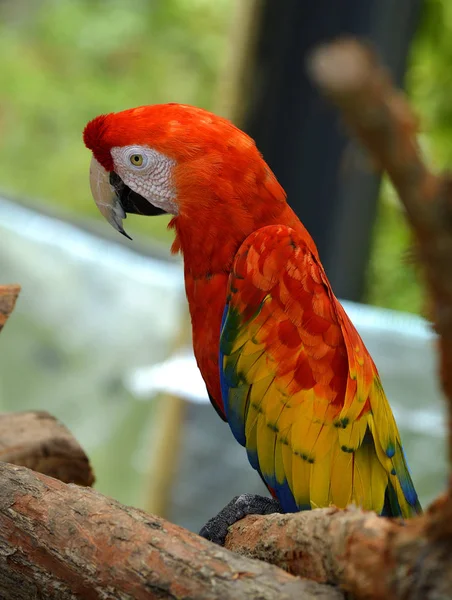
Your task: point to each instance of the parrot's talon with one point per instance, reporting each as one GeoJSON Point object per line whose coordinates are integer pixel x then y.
{"type": "Point", "coordinates": [216, 529]}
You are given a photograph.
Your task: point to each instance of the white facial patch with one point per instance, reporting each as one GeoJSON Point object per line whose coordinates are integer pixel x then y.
{"type": "Point", "coordinates": [148, 173]}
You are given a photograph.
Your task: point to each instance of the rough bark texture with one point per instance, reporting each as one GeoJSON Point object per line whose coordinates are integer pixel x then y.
{"type": "Point", "coordinates": [8, 297]}
{"type": "Point", "coordinates": [366, 554]}
{"type": "Point", "coordinates": [38, 441]}
{"type": "Point", "coordinates": [61, 542]}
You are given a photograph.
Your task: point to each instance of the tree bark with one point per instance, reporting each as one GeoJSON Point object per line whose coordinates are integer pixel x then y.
{"type": "Point", "coordinates": [38, 441]}
{"type": "Point", "coordinates": [372, 557]}
{"type": "Point", "coordinates": [62, 542]}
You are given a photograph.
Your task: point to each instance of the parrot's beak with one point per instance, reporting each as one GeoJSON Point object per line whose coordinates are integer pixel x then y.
{"type": "Point", "coordinates": [105, 196]}
{"type": "Point", "coordinates": [114, 199]}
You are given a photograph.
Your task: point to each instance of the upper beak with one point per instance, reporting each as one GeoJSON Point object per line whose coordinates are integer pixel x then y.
{"type": "Point", "coordinates": [105, 196]}
{"type": "Point", "coordinates": [114, 199]}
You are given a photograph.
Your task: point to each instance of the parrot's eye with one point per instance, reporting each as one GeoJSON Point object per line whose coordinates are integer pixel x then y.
{"type": "Point", "coordinates": [136, 160]}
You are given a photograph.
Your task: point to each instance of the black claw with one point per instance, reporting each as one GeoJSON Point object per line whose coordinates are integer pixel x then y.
{"type": "Point", "coordinates": [216, 529]}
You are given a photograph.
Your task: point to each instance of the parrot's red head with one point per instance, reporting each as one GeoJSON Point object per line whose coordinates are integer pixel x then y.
{"type": "Point", "coordinates": [185, 161]}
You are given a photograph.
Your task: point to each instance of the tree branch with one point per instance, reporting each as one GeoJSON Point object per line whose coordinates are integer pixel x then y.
{"type": "Point", "coordinates": [368, 555]}
{"type": "Point", "coordinates": [38, 441]}
{"type": "Point", "coordinates": [63, 542]}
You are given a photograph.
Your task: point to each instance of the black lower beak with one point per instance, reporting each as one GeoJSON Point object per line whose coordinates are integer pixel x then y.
{"type": "Point", "coordinates": [132, 202]}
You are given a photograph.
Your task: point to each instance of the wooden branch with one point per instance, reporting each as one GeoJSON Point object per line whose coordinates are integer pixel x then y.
{"type": "Point", "coordinates": [63, 542]}
{"type": "Point", "coordinates": [38, 441]}
{"type": "Point", "coordinates": [370, 556]}
{"type": "Point", "coordinates": [8, 297]}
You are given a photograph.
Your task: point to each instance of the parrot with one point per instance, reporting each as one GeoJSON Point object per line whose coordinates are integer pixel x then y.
{"type": "Point", "coordinates": [282, 362]}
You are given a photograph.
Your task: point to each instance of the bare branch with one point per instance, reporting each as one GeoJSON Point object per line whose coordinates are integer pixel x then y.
{"type": "Point", "coordinates": [372, 557]}
{"type": "Point", "coordinates": [63, 542]}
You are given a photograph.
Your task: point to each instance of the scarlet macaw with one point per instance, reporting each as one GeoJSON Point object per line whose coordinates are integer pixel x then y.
{"type": "Point", "coordinates": [282, 362]}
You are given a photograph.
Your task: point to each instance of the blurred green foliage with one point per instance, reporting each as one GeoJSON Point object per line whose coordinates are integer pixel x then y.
{"type": "Point", "coordinates": [65, 61]}
{"type": "Point", "coordinates": [392, 281]}
{"type": "Point", "coordinates": [430, 80]}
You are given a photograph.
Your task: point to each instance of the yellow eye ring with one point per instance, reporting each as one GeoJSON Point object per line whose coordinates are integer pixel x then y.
{"type": "Point", "coordinates": [136, 160]}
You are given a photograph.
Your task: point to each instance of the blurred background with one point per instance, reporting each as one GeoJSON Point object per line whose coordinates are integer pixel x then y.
{"type": "Point", "coordinates": [99, 317]}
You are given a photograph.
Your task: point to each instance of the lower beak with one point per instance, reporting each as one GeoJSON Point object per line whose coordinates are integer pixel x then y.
{"type": "Point", "coordinates": [115, 200]}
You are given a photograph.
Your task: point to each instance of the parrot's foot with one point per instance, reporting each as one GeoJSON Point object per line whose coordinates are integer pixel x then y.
{"type": "Point", "coordinates": [216, 529]}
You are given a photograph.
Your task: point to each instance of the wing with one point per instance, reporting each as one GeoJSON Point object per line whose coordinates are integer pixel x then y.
{"type": "Point", "coordinates": [300, 390]}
